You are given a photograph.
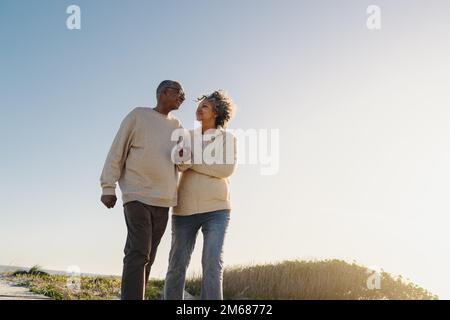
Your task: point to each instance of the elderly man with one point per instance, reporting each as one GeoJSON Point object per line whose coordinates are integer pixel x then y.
{"type": "Point", "coordinates": [140, 160]}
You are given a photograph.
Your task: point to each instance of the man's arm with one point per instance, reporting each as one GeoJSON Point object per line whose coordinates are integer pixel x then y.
{"type": "Point", "coordinates": [116, 159]}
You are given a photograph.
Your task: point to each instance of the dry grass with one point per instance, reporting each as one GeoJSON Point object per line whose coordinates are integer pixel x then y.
{"type": "Point", "coordinates": [305, 280]}
{"type": "Point", "coordinates": [300, 280]}
{"type": "Point", "coordinates": [311, 280]}
{"type": "Point", "coordinates": [56, 287]}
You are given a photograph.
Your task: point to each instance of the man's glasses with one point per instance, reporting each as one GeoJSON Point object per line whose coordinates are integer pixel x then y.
{"type": "Point", "coordinates": [179, 91]}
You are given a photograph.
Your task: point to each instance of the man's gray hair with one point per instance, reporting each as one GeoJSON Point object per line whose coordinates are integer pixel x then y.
{"type": "Point", "coordinates": [165, 84]}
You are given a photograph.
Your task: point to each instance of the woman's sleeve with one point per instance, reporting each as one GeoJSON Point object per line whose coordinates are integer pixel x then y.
{"type": "Point", "coordinates": [220, 170]}
{"type": "Point", "coordinates": [184, 166]}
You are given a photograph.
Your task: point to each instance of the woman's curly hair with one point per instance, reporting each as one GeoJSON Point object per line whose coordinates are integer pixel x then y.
{"type": "Point", "coordinates": [223, 106]}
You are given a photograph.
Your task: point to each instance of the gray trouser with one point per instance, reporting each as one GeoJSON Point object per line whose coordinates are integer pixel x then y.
{"type": "Point", "coordinates": [146, 225]}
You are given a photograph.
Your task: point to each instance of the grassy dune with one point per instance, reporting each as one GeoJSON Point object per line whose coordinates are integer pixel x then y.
{"type": "Point", "coordinates": [304, 280]}
{"type": "Point", "coordinates": [313, 280]}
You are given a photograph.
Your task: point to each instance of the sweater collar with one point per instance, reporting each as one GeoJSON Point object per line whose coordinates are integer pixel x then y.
{"type": "Point", "coordinates": [214, 132]}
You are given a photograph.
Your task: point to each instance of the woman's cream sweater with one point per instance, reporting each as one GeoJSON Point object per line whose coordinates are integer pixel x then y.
{"type": "Point", "coordinates": [204, 186]}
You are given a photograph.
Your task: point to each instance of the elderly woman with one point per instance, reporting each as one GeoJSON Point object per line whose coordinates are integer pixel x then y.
{"type": "Point", "coordinates": [203, 199]}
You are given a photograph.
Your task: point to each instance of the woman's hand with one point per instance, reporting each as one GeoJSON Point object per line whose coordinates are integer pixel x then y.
{"type": "Point", "coordinates": [181, 154]}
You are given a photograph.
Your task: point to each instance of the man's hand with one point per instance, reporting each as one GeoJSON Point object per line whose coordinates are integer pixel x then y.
{"type": "Point", "coordinates": [109, 200]}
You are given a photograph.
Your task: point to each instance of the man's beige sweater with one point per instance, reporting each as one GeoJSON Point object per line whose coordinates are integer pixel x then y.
{"type": "Point", "coordinates": [140, 159]}
{"type": "Point", "coordinates": [205, 187]}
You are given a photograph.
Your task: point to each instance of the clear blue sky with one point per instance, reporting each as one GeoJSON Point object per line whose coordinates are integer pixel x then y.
{"type": "Point", "coordinates": [363, 119]}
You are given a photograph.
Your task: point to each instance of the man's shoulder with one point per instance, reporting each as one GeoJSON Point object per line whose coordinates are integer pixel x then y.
{"type": "Point", "coordinates": [135, 113]}
{"type": "Point", "coordinates": [140, 110]}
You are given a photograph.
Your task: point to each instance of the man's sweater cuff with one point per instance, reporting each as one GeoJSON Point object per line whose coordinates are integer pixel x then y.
{"type": "Point", "coordinates": [109, 191]}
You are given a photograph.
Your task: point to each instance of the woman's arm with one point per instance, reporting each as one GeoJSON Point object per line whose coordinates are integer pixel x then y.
{"type": "Point", "coordinates": [184, 166]}
{"type": "Point", "coordinates": [220, 170]}
{"type": "Point", "coordinates": [215, 170]}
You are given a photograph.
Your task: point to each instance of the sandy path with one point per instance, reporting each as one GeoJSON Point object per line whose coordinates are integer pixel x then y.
{"type": "Point", "coordinates": [9, 291]}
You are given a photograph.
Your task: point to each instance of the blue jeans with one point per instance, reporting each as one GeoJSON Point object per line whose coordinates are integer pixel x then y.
{"type": "Point", "coordinates": [184, 233]}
